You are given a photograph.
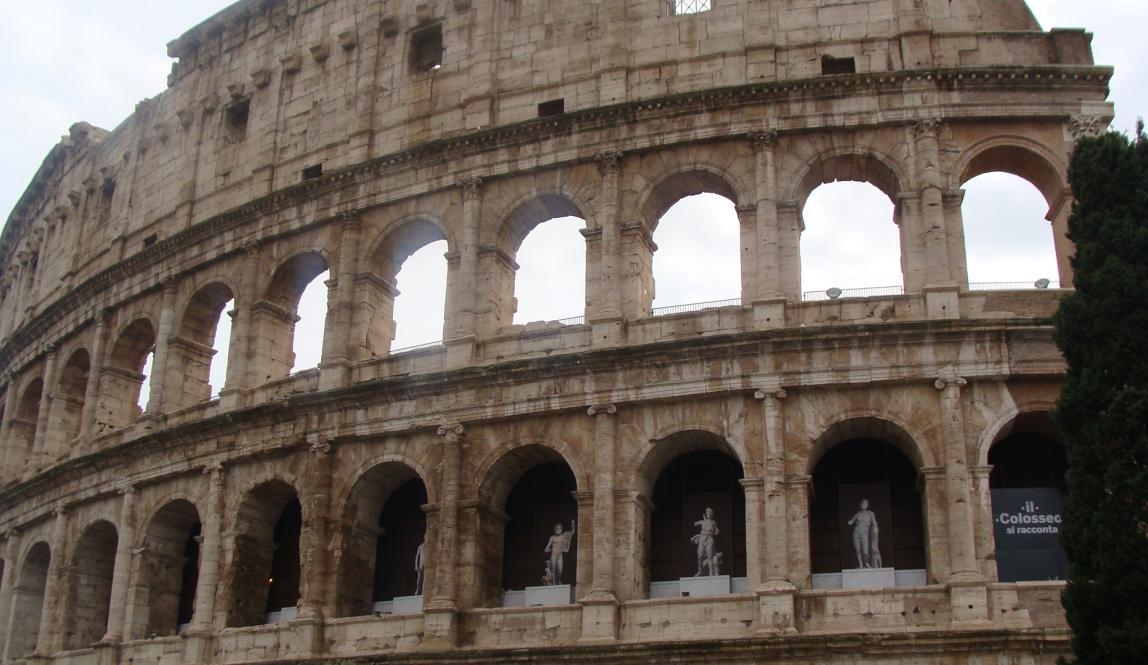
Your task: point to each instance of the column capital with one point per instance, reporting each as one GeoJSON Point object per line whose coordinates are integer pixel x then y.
{"type": "Point", "coordinates": [471, 188]}
{"type": "Point", "coordinates": [349, 221]}
{"type": "Point", "coordinates": [926, 128]}
{"type": "Point", "coordinates": [609, 161]}
{"type": "Point", "coordinates": [778, 393]}
{"type": "Point", "coordinates": [321, 447]}
{"type": "Point", "coordinates": [250, 247]}
{"type": "Point", "coordinates": [950, 381]}
{"type": "Point", "coordinates": [455, 431]}
{"type": "Point", "coordinates": [128, 491]}
{"type": "Point", "coordinates": [168, 283]}
{"type": "Point", "coordinates": [761, 140]}
{"type": "Point", "coordinates": [602, 410]}
{"type": "Point", "coordinates": [1083, 126]}
{"type": "Point", "coordinates": [931, 473]}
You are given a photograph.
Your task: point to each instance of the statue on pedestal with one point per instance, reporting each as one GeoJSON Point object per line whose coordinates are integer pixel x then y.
{"type": "Point", "coordinates": [865, 534]}
{"type": "Point", "coordinates": [557, 547]}
{"type": "Point", "coordinates": [707, 557]}
{"type": "Point", "coordinates": [420, 565]}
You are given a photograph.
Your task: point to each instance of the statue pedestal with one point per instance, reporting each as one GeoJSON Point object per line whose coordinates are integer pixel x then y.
{"type": "Point", "coordinates": [868, 578]}
{"type": "Point", "coordinates": [710, 585]}
{"type": "Point", "coordinates": [547, 596]}
{"type": "Point", "coordinates": [407, 604]}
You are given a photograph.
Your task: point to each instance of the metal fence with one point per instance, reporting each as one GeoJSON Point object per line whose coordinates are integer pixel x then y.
{"type": "Point", "coordinates": [678, 7]}
{"type": "Point", "coordinates": [417, 347]}
{"type": "Point", "coordinates": [694, 307]}
{"type": "Point", "coordinates": [1013, 286]}
{"type": "Point", "coordinates": [867, 292]}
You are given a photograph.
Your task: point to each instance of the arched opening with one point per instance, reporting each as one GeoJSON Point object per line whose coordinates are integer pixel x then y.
{"type": "Point", "coordinates": [866, 520]}
{"type": "Point", "coordinates": [550, 283]}
{"type": "Point", "coordinates": [412, 257]}
{"type": "Point", "coordinates": [850, 242]}
{"type": "Point", "coordinates": [90, 586]}
{"type": "Point", "coordinates": [288, 324]}
{"type": "Point", "coordinates": [1008, 241]}
{"type": "Point", "coordinates": [68, 401]}
{"type": "Point", "coordinates": [169, 570]}
{"type": "Point", "coordinates": [419, 307]}
{"type": "Point", "coordinates": [698, 257]}
{"type": "Point", "coordinates": [265, 571]}
{"type": "Point", "coordinates": [1028, 493]}
{"type": "Point", "coordinates": [22, 429]}
{"type": "Point", "coordinates": [385, 527]}
{"type": "Point", "coordinates": [28, 602]}
{"type": "Point", "coordinates": [696, 543]}
{"type": "Point", "coordinates": [201, 348]}
{"type": "Point", "coordinates": [123, 393]}
{"type": "Point", "coordinates": [539, 555]}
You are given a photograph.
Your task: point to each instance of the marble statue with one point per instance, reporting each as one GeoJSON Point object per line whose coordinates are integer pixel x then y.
{"type": "Point", "coordinates": [557, 547]}
{"type": "Point", "coordinates": [864, 523]}
{"type": "Point", "coordinates": [708, 559]}
{"type": "Point", "coordinates": [420, 565]}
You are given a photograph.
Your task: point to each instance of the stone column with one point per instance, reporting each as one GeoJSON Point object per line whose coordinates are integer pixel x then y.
{"type": "Point", "coordinates": [768, 295]}
{"type": "Point", "coordinates": [12, 542]}
{"type": "Point", "coordinates": [95, 370]}
{"type": "Point", "coordinates": [753, 488]}
{"type": "Point", "coordinates": [40, 452]}
{"type": "Point", "coordinates": [797, 490]}
{"type": "Point", "coordinates": [1058, 214]}
{"type": "Point", "coordinates": [122, 568]}
{"type": "Point", "coordinates": [238, 381]}
{"type": "Point", "coordinates": [462, 314]}
{"type": "Point", "coordinates": [10, 401]}
{"type": "Point", "coordinates": [315, 560]}
{"type": "Point", "coordinates": [600, 607]}
{"type": "Point", "coordinates": [955, 234]}
{"type": "Point", "coordinates": [983, 521]}
{"type": "Point", "coordinates": [907, 216]}
{"type": "Point", "coordinates": [776, 592]}
{"type": "Point", "coordinates": [159, 368]}
{"type": "Point", "coordinates": [789, 228]}
{"type": "Point", "coordinates": [940, 289]}
{"type": "Point", "coordinates": [338, 342]}
{"type": "Point", "coordinates": [51, 637]}
{"type": "Point", "coordinates": [441, 621]}
{"type": "Point", "coordinates": [199, 634]}
{"type": "Point", "coordinates": [967, 592]}
{"type": "Point", "coordinates": [605, 311]}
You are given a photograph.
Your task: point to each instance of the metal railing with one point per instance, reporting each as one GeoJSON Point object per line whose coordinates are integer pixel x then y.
{"type": "Point", "coordinates": [417, 347]}
{"type": "Point", "coordinates": [866, 292]}
{"type": "Point", "coordinates": [679, 7]}
{"type": "Point", "coordinates": [572, 321]}
{"type": "Point", "coordinates": [694, 307]}
{"type": "Point", "coordinates": [1013, 286]}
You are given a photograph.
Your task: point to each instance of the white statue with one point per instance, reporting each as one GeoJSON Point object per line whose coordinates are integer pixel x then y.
{"type": "Point", "coordinates": [865, 531]}
{"type": "Point", "coordinates": [420, 565]}
{"type": "Point", "coordinates": [707, 557]}
{"type": "Point", "coordinates": [557, 547]}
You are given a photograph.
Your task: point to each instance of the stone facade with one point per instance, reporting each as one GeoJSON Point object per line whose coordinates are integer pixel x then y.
{"type": "Point", "coordinates": [299, 136]}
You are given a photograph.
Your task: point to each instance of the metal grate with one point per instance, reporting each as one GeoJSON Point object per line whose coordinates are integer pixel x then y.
{"type": "Point", "coordinates": [679, 7]}
{"type": "Point", "coordinates": [695, 307]}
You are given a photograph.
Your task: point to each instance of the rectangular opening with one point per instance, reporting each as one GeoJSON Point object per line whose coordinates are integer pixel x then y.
{"type": "Point", "coordinates": [831, 65]}
{"type": "Point", "coordinates": [680, 7]}
{"type": "Point", "coordinates": [150, 240]}
{"type": "Point", "coordinates": [312, 172]}
{"type": "Point", "coordinates": [426, 48]}
{"type": "Point", "coordinates": [235, 118]}
{"type": "Point", "coordinates": [552, 107]}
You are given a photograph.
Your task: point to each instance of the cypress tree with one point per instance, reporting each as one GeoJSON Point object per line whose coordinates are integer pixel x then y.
{"type": "Point", "coordinates": [1102, 414]}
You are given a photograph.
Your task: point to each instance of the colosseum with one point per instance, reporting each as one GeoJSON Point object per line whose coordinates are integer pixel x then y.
{"type": "Point", "coordinates": [787, 477]}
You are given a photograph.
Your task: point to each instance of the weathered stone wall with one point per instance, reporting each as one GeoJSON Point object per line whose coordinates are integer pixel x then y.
{"type": "Point", "coordinates": [133, 241]}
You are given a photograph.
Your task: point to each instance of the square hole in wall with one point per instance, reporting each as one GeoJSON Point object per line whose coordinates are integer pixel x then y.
{"type": "Point", "coordinates": [235, 118]}
{"type": "Point", "coordinates": [426, 48]}
{"type": "Point", "coordinates": [831, 65]}
{"type": "Point", "coordinates": [552, 107]}
{"type": "Point", "coordinates": [312, 172]}
{"type": "Point", "coordinates": [679, 7]}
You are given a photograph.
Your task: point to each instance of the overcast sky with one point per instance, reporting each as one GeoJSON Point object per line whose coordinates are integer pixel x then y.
{"type": "Point", "coordinates": [62, 61]}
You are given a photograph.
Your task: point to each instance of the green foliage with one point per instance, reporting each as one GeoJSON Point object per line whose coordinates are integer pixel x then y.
{"type": "Point", "coordinates": [1102, 329]}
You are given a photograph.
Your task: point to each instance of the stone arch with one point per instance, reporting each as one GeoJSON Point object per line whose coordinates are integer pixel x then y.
{"type": "Point", "coordinates": [68, 398]}
{"type": "Point", "coordinates": [498, 471]}
{"type": "Point", "coordinates": [28, 601]}
{"type": "Point", "coordinates": [22, 427]}
{"type": "Point", "coordinates": [860, 164]}
{"type": "Point", "coordinates": [1003, 424]}
{"type": "Point", "coordinates": [1019, 156]}
{"type": "Point", "coordinates": [673, 442]}
{"type": "Point", "coordinates": [164, 593]}
{"type": "Point", "coordinates": [523, 214]}
{"type": "Point", "coordinates": [273, 318]}
{"type": "Point", "coordinates": [90, 585]}
{"type": "Point", "coordinates": [869, 426]}
{"type": "Point", "coordinates": [193, 345]}
{"type": "Point", "coordinates": [265, 538]}
{"type": "Point", "coordinates": [123, 376]}
{"type": "Point", "coordinates": [675, 185]}
{"type": "Point", "coordinates": [364, 504]}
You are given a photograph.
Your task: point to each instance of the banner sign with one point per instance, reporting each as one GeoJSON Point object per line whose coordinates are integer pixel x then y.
{"type": "Point", "coordinates": [1026, 526]}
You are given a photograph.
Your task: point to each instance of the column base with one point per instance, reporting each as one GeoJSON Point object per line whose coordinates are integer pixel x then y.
{"type": "Point", "coordinates": [942, 302]}
{"type": "Point", "coordinates": [334, 374]}
{"type": "Point", "coordinates": [769, 314]}
{"type": "Point", "coordinates": [599, 618]}
{"type": "Point", "coordinates": [197, 645]}
{"type": "Point", "coordinates": [107, 652]}
{"type": "Point", "coordinates": [308, 634]}
{"type": "Point", "coordinates": [459, 351]}
{"type": "Point", "coordinates": [440, 626]}
{"type": "Point", "coordinates": [969, 605]}
{"type": "Point", "coordinates": [231, 399]}
{"type": "Point", "coordinates": [777, 603]}
{"type": "Point", "coordinates": [607, 332]}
